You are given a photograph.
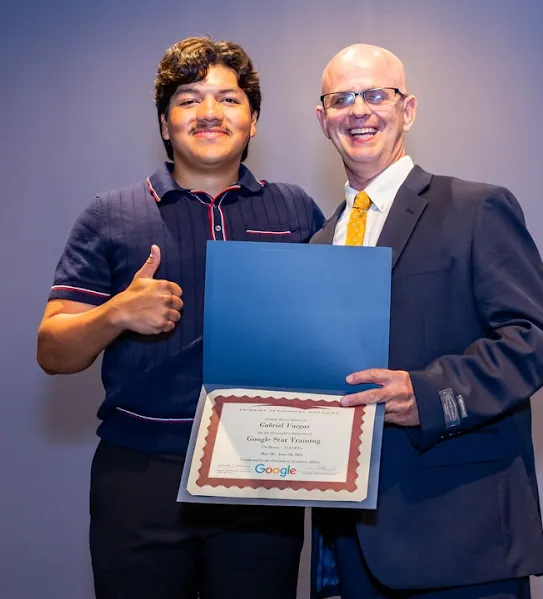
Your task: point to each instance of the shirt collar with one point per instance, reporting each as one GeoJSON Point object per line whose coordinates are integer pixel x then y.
{"type": "Point", "coordinates": [383, 189]}
{"type": "Point", "coordinates": [162, 182]}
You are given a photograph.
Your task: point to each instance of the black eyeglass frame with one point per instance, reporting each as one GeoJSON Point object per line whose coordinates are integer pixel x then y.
{"type": "Point", "coordinates": [363, 94]}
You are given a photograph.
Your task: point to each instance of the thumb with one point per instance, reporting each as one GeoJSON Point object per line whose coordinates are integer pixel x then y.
{"type": "Point", "coordinates": [150, 266]}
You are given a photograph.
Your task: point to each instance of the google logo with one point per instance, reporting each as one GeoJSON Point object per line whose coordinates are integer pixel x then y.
{"type": "Point", "coordinates": [285, 471]}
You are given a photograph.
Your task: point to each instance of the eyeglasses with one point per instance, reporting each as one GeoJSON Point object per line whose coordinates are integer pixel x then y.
{"type": "Point", "coordinates": [377, 96]}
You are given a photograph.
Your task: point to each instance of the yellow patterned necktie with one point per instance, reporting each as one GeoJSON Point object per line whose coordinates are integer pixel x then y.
{"type": "Point", "coordinates": [357, 220]}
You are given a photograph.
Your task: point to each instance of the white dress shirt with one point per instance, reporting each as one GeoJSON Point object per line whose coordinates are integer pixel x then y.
{"type": "Point", "coordinates": [382, 190]}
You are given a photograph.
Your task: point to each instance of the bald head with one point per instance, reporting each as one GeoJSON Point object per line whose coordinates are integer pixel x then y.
{"type": "Point", "coordinates": [379, 64]}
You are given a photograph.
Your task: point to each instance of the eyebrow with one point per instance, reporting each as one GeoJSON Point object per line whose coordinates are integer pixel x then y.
{"type": "Point", "coordinates": [191, 87]}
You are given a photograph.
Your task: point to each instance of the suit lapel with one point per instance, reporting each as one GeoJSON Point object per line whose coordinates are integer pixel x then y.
{"type": "Point", "coordinates": [405, 212]}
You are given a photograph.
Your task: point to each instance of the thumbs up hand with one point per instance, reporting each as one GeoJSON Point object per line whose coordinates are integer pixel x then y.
{"type": "Point", "coordinates": [148, 305]}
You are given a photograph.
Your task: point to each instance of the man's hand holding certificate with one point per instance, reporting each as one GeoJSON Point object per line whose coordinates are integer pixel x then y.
{"type": "Point", "coordinates": [284, 325]}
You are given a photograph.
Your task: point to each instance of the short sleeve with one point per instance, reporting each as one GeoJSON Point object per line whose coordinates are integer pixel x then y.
{"type": "Point", "coordinates": [316, 219]}
{"type": "Point", "coordinates": [83, 273]}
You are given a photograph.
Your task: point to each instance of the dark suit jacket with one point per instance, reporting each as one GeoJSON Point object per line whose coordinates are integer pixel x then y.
{"type": "Point", "coordinates": [458, 501]}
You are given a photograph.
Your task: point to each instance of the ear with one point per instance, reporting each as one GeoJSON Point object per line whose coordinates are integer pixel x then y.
{"type": "Point", "coordinates": [254, 119]}
{"type": "Point", "coordinates": [321, 116]}
{"type": "Point", "coordinates": [164, 127]}
{"type": "Point", "coordinates": [409, 112]}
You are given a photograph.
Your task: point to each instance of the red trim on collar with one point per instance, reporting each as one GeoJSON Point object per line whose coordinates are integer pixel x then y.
{"type": "Point", "coordinates": [152, 191]}
{"type": "Point", "coordinates": [231, 188]}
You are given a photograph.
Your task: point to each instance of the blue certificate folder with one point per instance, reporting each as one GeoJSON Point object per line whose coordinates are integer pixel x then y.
{"type": "Point", "coordinates": [292, 317]}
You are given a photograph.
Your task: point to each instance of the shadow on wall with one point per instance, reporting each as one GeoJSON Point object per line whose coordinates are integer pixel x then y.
{"type": "Point", "coordinates": [69, 404]}
{"type": "Point", "coordinates": [317, 169]}
{"type": "Point", "coordinates": [330, 172]}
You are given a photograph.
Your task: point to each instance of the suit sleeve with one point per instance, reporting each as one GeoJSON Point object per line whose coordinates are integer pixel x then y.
{"type": "Point", "coordinates": [456, 393]}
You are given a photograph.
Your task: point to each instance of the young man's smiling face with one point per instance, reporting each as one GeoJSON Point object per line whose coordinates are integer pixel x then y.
{"type": "Point", "coordinates": [209, 122]}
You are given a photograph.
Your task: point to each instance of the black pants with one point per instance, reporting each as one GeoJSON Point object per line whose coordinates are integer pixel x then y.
{"type": "Point", "coordinates": [145, 545]}
{"type": "Point", "coordinates": [357, 582]}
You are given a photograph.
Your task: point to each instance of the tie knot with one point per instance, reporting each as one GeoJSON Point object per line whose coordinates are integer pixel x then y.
{"type": "Point", "coordinates": [362, 201]}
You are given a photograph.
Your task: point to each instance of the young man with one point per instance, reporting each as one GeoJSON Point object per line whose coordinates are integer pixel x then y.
{"type": "Point", "coordinates": [458, 508]}
{"type": "Point", "coordinates": [131, 282]}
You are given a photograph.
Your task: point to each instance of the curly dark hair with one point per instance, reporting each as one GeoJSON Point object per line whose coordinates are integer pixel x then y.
{"type": "Point", "coordinates": [189, 60]}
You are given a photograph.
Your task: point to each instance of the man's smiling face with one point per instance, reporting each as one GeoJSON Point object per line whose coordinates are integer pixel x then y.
{"type": "Point", "coordinates": [368, 137]}
{"type": "Point", "coordinates": [209, 122]}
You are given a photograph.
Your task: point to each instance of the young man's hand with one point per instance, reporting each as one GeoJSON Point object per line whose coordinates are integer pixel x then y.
{"type": "Point", "coordinates": [148, 305]}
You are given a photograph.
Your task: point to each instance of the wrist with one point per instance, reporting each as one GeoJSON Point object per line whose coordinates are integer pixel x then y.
{"type": "Point", "coordinates": [116, 313]}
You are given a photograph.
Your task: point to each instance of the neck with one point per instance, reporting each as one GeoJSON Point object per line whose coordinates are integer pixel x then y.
{"type": "Point", "coordinates": [212, 181]}
{"type": "Point", "coordinates": [360, 177]}
{"type": "Point", "coordinates": [357, 180]}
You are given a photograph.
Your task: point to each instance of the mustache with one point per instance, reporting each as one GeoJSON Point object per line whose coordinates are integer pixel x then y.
{"type": "Point", "coordinates": [210, 127]}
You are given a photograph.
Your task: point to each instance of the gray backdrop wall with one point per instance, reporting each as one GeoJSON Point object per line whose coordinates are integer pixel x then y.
{"type": "Point", "coordinates": [76, 117]}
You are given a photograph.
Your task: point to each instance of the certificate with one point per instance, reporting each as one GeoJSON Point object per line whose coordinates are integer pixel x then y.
{"type": "Point", "coordinates": [281, 445]}
{"type": "Point", "coordinates": [284, 324]}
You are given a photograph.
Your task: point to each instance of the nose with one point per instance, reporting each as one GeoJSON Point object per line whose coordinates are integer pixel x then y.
{"type": "Point", "coordinates": [359, 107]}
{"type": "Point", "coordinates": [209, 109]}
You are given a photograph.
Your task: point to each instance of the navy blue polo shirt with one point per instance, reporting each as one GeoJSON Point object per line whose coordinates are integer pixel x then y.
{"type": "Point", "coordinates": [152, 382]}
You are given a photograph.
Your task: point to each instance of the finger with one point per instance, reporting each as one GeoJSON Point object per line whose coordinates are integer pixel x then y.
{"type": "Point", "coordinates": [398, 418]}
{"type": "Point", "coordinates": [392, 418]}
{"type": "Point", "coordinates": [402, 419]}
{"type": "Point", "coordinates": [150, 266]}
{"type": "Point", "coordinates": [372, 375]}
{"type": "Point", "coordinates": [370, 396]}
{"type": "Point", "coordinates": [394, 407]}
{"type": "Point", "coordinates": [169, 287]}
{"type": "Point", "coordinates": [176, 303]}
{"type": "Point", "coordinates": [173, 316]}
{"type": "Point", "coordinates": [397, 406]}
{"type": "Point", "coordinates": [168, 314]}
{"type": "Point", "coordinates": [175, 289]}
{"type": "Point", "coordinates": [167, 327]}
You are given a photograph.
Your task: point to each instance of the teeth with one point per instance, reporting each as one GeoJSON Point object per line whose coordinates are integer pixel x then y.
{"type": "Point", "coordinates": [363, 131]}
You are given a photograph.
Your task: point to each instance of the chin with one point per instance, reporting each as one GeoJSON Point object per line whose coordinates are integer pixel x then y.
{"type": "Point", "coordinates": [358, 152]}
{"type": "Point", "coordinates": [213, 155]}
{"type": "Point", "coordinates": [362, 157]}
{"type": "Point", "coordinates": [217, 161]}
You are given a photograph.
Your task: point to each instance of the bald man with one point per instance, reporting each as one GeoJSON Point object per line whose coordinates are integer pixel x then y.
{"type": "Point", "coordinates": [458, 507]}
